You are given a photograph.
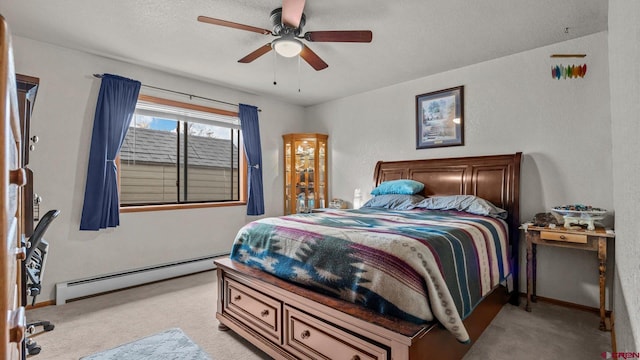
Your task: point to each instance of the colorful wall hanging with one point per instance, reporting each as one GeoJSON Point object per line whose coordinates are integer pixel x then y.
{"type": "Point", "coordinates": [568, 71]}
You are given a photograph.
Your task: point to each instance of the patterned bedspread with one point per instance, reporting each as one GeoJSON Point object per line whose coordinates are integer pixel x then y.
{"type": "Point", "coordinates": [418, 265]}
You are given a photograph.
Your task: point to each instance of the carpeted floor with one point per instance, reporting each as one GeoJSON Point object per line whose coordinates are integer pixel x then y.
{"type": "Point", "coordinates": [99, 323]}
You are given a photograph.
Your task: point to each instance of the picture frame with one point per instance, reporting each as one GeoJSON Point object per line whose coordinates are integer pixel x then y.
{"type": "Point", "coordinates": [440, 118]}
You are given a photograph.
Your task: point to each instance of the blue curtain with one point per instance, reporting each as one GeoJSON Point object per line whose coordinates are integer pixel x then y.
{"type": "Point", "coordinates": [251, 139]}
{"type": "Point", "coordinates": [114, 110]}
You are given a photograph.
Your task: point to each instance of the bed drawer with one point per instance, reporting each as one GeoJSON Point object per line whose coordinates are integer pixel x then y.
{"type": "Point", "coordinates": [310, 338]}
{"type": "Point", "coordinates": [258, 311]}
{"type": "Point", "coordinates": [556, 236]}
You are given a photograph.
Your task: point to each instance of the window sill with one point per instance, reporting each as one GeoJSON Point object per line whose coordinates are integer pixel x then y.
{"type": "Point", "coordinates": [132, 209]}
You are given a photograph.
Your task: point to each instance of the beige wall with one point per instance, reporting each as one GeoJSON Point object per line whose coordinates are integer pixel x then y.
{"type": "Point", "coordinates": [63, 120]}
{"type": "Point", "coordinates": [511, 104]}
{"type": "Point", "coordinates": [624, 57]}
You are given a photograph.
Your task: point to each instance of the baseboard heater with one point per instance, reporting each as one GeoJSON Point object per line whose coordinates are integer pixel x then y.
{"type": "Point", "coordinates": [99, 284]}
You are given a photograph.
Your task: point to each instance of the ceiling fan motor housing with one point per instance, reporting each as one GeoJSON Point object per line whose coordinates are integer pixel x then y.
{"type": "Point", "coordinates": [281, 29]}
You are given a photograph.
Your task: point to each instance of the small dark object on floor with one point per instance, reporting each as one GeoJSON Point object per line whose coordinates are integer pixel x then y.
{"type": "Point", "coordinates": [33, 348]}
{"type": "Point", "coordinates": [544, 219]}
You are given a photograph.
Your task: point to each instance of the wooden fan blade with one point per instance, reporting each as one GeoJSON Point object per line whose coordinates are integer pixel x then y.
{"type": "Point", "coordinates": [292, 12]}
{"type": "Point", "coordinates": [230, 24]}
{"type": "Point", "coordinates": [339, 36]}
{"type": "Point", "coordinates": [256, 54]}
{"type": "Point", "coordinates": [313, 59]}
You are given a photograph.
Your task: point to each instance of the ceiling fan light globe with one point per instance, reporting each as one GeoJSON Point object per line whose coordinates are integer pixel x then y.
{"type": "Point", "coordinates": [287, 47]}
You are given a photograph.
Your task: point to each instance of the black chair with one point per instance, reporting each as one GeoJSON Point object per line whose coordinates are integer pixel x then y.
{"type": "Point", "coordinates": [33, 271]}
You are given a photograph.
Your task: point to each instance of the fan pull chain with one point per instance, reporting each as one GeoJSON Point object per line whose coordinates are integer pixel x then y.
{"type": "Point", "coordinates": [298, 73]}
{"type": "Point", "coordinates": [274, 68]}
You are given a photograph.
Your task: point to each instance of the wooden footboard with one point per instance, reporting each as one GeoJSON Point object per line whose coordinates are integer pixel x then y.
{"type": "Point", "coordinates": [290, 322]}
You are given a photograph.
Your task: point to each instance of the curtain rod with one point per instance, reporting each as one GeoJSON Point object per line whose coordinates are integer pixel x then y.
{"type": "Point", "coordinates": [99, 76]}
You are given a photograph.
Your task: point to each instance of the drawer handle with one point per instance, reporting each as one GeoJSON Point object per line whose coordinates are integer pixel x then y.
{"type": "Point", "coordinates": [355, 357]}
{"type": "Point", "coordinates": [21, 253]}
{"type": "Point", "coordinates": [305, 334]}
{"type": "Point", "coordinates": [264, 313]}
{"type": "Point", "coordinates": [237, 298]}
{"type": "Point", "coordinates": [18, 177]}
{"type": "Point", "coordinates": [562, 237]}
{"type": "Point", "coordinates": [17, 325]}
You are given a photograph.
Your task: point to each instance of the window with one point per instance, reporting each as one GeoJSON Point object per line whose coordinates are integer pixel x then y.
{"type": "Point", "coordinates": [179, 153]}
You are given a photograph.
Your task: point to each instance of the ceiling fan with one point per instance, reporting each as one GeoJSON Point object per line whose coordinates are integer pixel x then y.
{"type": "Point", "coordinates": [288, 22]}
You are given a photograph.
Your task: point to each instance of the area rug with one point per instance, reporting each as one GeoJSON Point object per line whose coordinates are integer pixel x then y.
{"type": "Point", "coordinates": [172, 344]}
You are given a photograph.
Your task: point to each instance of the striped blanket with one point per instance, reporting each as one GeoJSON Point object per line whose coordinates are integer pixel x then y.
{"type": "Point", "coordinates": [418, 265]}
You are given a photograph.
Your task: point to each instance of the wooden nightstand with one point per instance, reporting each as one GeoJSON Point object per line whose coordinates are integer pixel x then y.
{"type": "Point", "coordinates": [595, 240]}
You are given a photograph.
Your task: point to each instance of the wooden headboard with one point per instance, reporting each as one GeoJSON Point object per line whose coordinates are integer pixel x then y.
{"type": "Point", "coordinates": [495, 178]}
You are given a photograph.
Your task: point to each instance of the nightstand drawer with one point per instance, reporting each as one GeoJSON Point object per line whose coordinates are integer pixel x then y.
{"type": "Point", "coordinates": [556, 236]}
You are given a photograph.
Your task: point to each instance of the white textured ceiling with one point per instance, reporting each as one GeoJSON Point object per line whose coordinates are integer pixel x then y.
{"type": "Point", "coordinates": [411, 38]}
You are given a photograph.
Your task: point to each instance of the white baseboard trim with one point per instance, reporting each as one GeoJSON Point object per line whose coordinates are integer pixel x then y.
{"type": "Point", "coordinates": [103, 283]}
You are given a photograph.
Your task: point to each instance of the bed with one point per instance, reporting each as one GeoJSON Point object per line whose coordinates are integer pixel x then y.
{"type": "Point", "coordinates": [288, 313]}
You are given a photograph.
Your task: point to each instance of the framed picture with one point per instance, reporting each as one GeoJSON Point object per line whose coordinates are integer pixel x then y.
{"type": "Point", "coordinates": [440, 118]}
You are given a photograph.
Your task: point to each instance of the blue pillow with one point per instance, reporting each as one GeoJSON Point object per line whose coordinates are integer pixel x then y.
{"type": "Point", "coordinates": [468, 203]}
{"type": "Point", "coordinates": [404, 187]}
{"type": "Point", "coordinates": [394, 201]}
